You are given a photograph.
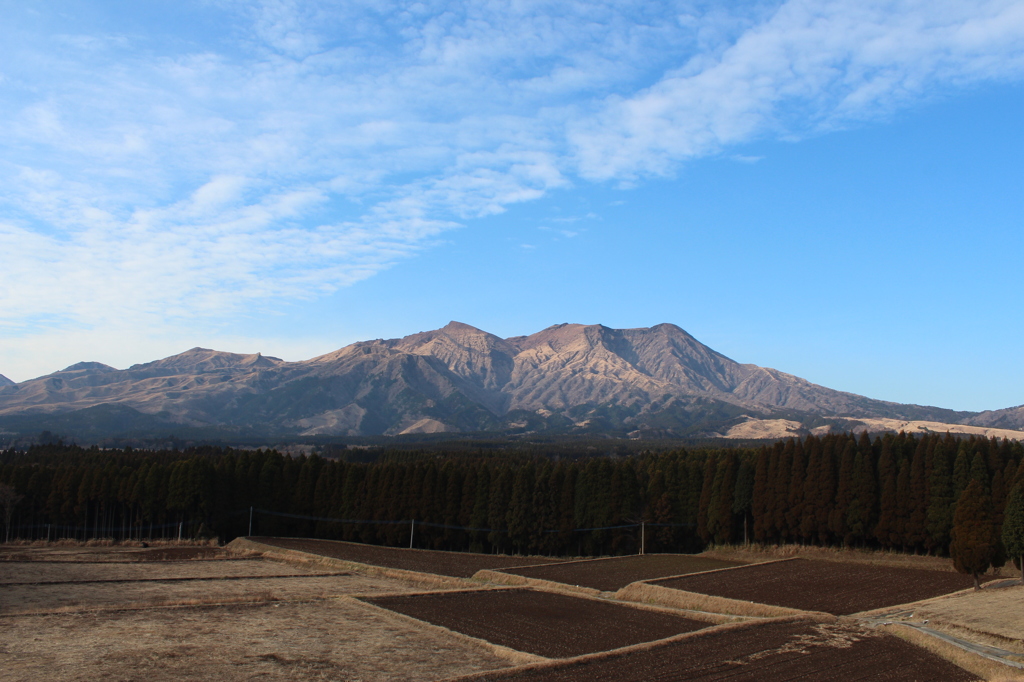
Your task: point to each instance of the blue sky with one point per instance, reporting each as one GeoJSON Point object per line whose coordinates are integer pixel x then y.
{"type": "Point", "coordinates": [833, 189]}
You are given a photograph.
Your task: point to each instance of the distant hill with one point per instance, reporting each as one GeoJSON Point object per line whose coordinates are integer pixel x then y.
{"type": "Point", "coordinates": [4, 381]}
{"type": "Point", "coordinates": [566, 379]}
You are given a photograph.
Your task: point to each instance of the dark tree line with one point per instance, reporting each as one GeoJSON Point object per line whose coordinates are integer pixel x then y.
{"type": "Point", "coordinates": [894, 492]}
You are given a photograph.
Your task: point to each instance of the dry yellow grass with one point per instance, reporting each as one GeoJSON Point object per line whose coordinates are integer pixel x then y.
{"type": "Point", "coordinates": [546, 585]}
{"type": "Point", "coordinates": [107, 551]}
{"type": "Point", "coordinates": [59, 571]}
{"type": "Point", "coordinates": [993, 616]}
{"type": "Point", "coordinates": [111, 542]}
{"type": "Point", "coordinates": [980, 666]}
{"type": "Point", "coordinates": [336, 639]}
{"type": "Point", "coordinates": [761, 553]}
{"type": "Point", "coordinates": [645, 593]}
{"type": "Point", "coordinates": [309, 627]}
{"type": "Point", "coordinates": [47, 598]}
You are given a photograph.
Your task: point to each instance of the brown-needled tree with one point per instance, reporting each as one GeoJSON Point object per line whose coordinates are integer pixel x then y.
{"type": "Point", "coordinates": [974, 534]}
{"type": "Point", "coordinates": [1013, 527]}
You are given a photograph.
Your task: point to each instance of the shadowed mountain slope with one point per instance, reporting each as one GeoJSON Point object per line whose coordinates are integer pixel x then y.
{"type": "Point", "coordinates": [1008, 418]}
{"type": "Point", "coordinates": [566, 378]}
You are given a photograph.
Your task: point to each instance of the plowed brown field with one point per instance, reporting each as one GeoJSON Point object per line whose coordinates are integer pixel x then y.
{"type": "Point", "coordinates": [770, 651]}
{"type": "Point", "coordinates": [829, 586]}
{"type": "Point", "coordinates": [615, 573]}
{"type": "Point", "coordinates": [453, 564]}
{"type": "Point", "coordinates": [542, 623]}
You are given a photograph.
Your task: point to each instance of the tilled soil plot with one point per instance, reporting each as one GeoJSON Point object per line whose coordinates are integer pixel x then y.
{"type": "Point", "coordinates": [770, 651]}
{"type": "Point", "coordinates": [453, 564]}
{"type": "Point", "coordinates": [615, 573]}
{"type": "Point", "coordinates": [542, 623]}
{"type": "Point", "coordinates": [829, 586]}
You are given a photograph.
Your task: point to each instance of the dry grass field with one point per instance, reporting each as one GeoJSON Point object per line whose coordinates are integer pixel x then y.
{"type": "Point", "coordinates": [993, 616]}
{"type": "Point", "coordinates": [224, 619]}
{"type": "Point", "coordinates": [760, 553]}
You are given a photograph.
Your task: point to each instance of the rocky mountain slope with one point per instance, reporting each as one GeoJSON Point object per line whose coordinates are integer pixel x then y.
{"type": "Point", "coordinates": [566, 378]}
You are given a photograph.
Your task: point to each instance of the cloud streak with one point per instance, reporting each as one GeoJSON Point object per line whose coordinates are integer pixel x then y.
{"type": "Point", "coordinates": [153, 177]}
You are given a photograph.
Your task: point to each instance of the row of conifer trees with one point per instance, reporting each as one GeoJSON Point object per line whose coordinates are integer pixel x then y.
{"type": "Point", "coordinates": [894, 492]}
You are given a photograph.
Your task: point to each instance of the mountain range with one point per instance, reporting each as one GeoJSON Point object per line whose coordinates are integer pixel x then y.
{"type": "Point", "coordinates": [569, 378]}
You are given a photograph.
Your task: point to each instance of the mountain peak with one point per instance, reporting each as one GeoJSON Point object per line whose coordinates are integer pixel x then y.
{"type": "Point", "coordinates": [95, 366]}
{"type": "Point", "coordinates": [4, 381]}
{"type": "Point", "coordinates": [456, 326]}
{"type": "Point", "coordinates": [204, 360]}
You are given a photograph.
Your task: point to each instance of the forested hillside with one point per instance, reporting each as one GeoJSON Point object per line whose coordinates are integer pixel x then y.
{"type": "Point", "coordinates": [896, 492]}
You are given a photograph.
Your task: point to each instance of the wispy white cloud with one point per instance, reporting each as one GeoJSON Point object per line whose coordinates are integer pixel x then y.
{"type": "Point", "coordinates": [812, 66]}
{"type": "Point", "coordinates": [144, 181]}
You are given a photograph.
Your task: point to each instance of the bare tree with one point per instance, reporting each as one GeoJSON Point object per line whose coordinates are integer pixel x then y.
{"type": "Point", "coordinates": [9, 498]}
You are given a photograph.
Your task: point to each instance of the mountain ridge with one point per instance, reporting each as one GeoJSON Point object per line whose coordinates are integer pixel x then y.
{"type": "Point", "coordinates": [570, 378]}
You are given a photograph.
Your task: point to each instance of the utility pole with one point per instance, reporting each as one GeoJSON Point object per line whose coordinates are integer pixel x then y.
{"type": "Point", "coordinates": [412, 531]}
{"type": "Point", "coordinates": [250, 521]}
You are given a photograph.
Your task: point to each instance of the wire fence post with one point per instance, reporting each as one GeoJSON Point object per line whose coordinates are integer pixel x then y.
{"type": "Point", "coordinates": [642, 534]}
{"type": "Point", "coordinates": [179, 530]}
{"type": "Point", "coordinates": [412, 531]}
{"type": "Point", "coordinates": [250, 522]}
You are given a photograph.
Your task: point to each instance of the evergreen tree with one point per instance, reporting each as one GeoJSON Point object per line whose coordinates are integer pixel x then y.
{"type": "Point", "coordinates": [481, 509]}
{"type": "Point", "coordinates": [974, 537]}
{"type": "Point", "coordinates": [783, 472]}
{"type": "Point", "coordinates": [501, 493]}
{"type": "Point", "coordinates": [519, 515]}
{"type": "Point", "coordinates": [861, 514]}
{"type": "Point", "coordinates": [744, 494]}
{"type": "Point", "coordinates": [844, 494]}
{"type": "Point", "coordinates": [720, 522]}
{"type": "Point", "coordinates": [759, 496]}
{"type": "Point", "coordinates": [902, 504]}
{"type": "Point", "coordinates": [885, 529]}
{"type": "Point", "coordinates": [826, 490]}
{"type": "Point", "coordinates": [1013, 527]}
{"type": "Point", "coordinates": [917, 519]}
{"type": "Point", "coordinates": [808, 516]}
{"type": "Point", "coordinates": [707, 488]}
{"type": "Point", "coordinates": [797, 482]}
{"type": "Point", "coordinates": [961, 470]}
{"type": "Point", "coordinates": [979, 471]}
{"type": "Point", "coordinates": [940, 503]}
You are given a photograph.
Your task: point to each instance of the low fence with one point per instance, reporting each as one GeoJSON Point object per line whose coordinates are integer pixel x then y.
{"type": "Point", "coordinates": [411, 532]}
